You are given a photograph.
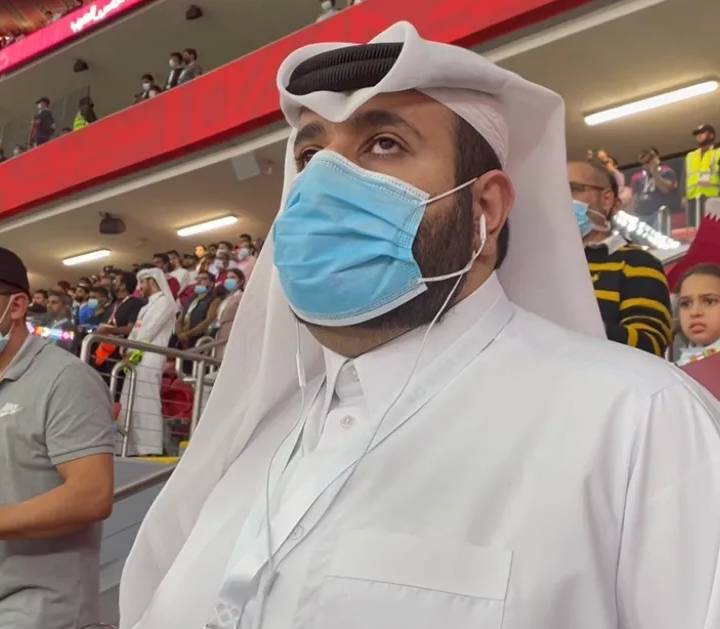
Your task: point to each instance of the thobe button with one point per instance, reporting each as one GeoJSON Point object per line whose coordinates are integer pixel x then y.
{"type": "Point", "coordinates": [297, 532]}
{"type": "Point", "coordinates": [354, 373]}
{"type": "Point", "coordinates": [347, 421]}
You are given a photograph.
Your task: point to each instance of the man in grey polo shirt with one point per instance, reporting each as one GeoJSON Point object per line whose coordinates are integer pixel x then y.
{"type": "Point", "coordinates": [56, 472]}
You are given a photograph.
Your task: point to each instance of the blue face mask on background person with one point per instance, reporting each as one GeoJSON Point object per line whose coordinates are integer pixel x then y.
{"type": "Point", "coordinates": [93, 304]}
{"type": "Point", "coordinates": [200, 289]}
{"type": "Point", "coordinates": [5, 338]}
{"type": "Point", "coordinates": [343, 244]}
{"type": "Point", "coordinates": [230, 284]}
{"type": "Point", "coordinates": [581, 216]}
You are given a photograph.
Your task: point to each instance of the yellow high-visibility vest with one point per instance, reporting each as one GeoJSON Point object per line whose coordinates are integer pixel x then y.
{"type": "Point", "coordinates": [79, 122]}
{"type": "Point", "coordinates": [702, 173]}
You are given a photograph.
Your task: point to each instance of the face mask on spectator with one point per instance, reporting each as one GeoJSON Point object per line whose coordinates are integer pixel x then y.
{"type": "Point", "coordinates": [5, 338]}
{"type": "Point", "coordinates": [201, 289]}
{"type": "Point", "coordinates": [230, 284]}
{"type": "Point", "coordinates": [146, 85]}
{"type": "Point", "coordinates": [326, 5]}
{"type": "Point", "coordinates": [244, 252]}
{"type": "Point", "coordinates": [93, 304]}
{"type": "Point", "coordinates": [581, 216]}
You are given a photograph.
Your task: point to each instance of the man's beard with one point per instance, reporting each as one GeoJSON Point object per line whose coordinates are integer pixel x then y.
{"type": "Point", "coordinates": [443, 245]}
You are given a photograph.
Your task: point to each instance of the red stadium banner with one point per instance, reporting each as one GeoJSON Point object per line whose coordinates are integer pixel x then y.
{"type": "Point", "coordinates": [66, 29]}
{"type": "Point", "coordinates": [236, 98]}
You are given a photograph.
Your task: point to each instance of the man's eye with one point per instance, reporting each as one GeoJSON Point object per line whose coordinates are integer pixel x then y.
{"type": "Point", "coordinates": [711, 301]}
{"type": "Point", "coordinates": [384, 146]}
{"type": "Point", "coordinates": [304, 158]}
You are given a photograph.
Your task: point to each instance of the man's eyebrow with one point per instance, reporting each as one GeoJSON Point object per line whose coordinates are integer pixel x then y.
{"type": "Point", "coordinates": [310, 131]}
{"type": "Point", "coordinates": [384, 118]}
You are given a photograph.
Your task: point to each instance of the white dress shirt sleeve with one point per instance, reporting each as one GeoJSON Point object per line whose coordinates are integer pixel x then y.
{"type": "Point", "coordinates": [669, 565]}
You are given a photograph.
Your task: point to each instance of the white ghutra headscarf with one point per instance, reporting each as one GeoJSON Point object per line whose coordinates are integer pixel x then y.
{"type": "Point", "coordinates": [545, 270]}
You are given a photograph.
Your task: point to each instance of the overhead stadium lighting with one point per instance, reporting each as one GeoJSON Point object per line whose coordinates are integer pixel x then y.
{"type": "Point", "coordinates": [653, 102]}
{"type": "Point", "coordinates": [207, 226]}
{"type": "Point", "coordinates": [86, 257]}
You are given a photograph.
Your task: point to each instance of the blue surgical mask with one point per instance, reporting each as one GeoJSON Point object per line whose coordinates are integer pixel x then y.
{"type": "Point", "coordinates": [200, 289]}
{"type": "Point", "coordinates": [243, 253]}
{"type": "Point", "coordinates": [230, 284]}
{"type": "Point", "coordinates": [5, 338]}
{"type": "Point", "coordinates": [343, 244]}
{"type": "Point", "coordinates": [581, 216]}
{"type": "Point", "coordinates": [93, 304]}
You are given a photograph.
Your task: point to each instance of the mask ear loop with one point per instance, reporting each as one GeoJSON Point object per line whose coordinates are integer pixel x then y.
{"type": "Point", "coordinates": [605, 225]}
{"type": "Point", "coordinates": [272, 566]}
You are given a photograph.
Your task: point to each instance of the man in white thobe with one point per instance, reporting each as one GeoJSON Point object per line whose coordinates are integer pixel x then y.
{"type": "Point", "coordinates": [462, 452]}
{"type": "Point", "coordinates": [154, 325]}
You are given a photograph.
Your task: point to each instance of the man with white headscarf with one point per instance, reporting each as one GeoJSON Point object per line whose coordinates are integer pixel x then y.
{"type": "Point", "coordinates": [483, 469]}
{"type": "Point", "coordinates": [154, 325]}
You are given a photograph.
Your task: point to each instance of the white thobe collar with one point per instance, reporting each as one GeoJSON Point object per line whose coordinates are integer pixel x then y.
{"type": "Point", "coordinates": [613, 243]}
{"type": "Point", "coordinates": [382, 372]}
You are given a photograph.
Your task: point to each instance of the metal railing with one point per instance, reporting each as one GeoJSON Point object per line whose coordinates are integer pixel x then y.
{"type": "Point", "coordinates": [665, 220]}
{"type": "Point", "coordinates": [141, 484]}
{"type": "Point", "coordinates": [202, 358]}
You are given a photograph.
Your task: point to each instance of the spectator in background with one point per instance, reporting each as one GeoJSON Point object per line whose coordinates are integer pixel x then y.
{"type": "Point", "coordinates": [64, 287]}
{"type": "Point", "coordinates": [59, 322]}
{"type": "Point", "coordinates": [178, 271]}
{"type": "Point", "coordinates": [38, 307]}
{"type": "Point", "coordinates": [106, 280]}
{"type": "Point", "coordinates": [327, 10]}
{"type": "Point", "coordinates": [154, 325]}
{"type": "Point", "coordinates": [212, 249]}
{"type": "Point", "coordinates": [39, 300]}
{"type": "Point", "coordinates": [2, 155]}
{"type": "Point", "coordinates": [99, 307]}
{"type": "Point", "coordinates": [18, 149]}
{"type": "Point", "coordinates": [154, 91]}
{"type": "Point", "coordinates": [176, 68]}
{"type": "Point", "coordinates": [190, 264]}
{"type": "Point", "coordinates": [85, 115]}
{"type": "Point", "coordinates": [702, 173]}
{"type": "Point", "coordinates": [630, 284]}
{"type": "Point", "coordinates": [74, 5]}
{"type": "Point", "coordinates": [221, 265]}
{"type": "Point", "coordinates": [699, 310]}
{"type": "Point", "coordinates": [43, 123]}
{"type": "Point", "coordinates": [234, 284]}
{"type": "Point", "coordinates": [82, 294]}
{"type": "Point", "coordinates": [56, 472]}
{"type": "Point", "coordinates": [200, 313]}
{"type": "Point", "coordinates": [162, 261]}
{"type": "Point", "coordinates": [148, 82]}
{"type": "Point", "coordinates": [191, 70]}
{"type": "Point", "coordinates": [653, 186]}
{"type": "Point", "coordinates": [120, 322]}
{"type": "Point", "coordinates": [246, 255]}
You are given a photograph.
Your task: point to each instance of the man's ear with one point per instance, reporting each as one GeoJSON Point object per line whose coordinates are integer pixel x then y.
{"type": "Point", "coordinates": [493, 197]}
{"type": "Point", "coordinates": [610, 203]}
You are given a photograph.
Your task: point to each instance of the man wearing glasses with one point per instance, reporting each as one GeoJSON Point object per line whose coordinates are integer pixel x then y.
{"type": "Point", "coordinates": [630, 283]}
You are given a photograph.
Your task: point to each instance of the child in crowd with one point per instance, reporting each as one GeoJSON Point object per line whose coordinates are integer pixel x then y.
{"type": "Point", "coordinates": [699, 308]}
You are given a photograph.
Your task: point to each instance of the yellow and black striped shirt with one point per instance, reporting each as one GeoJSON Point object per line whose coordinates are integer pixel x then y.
{"type": "Point", "coordinates": [632, 291]}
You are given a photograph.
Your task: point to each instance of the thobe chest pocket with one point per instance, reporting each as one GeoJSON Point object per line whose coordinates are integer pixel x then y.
{"type": "Point", "coordinates": [387, 581]}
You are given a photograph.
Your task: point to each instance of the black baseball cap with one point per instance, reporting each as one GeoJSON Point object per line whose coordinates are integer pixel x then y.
{"type": "Point", "coordinates": [702, 128]}
{"type": "Point", "coordinates": [13, 271]}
